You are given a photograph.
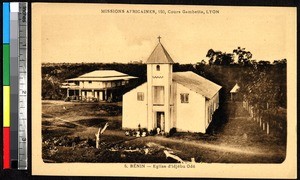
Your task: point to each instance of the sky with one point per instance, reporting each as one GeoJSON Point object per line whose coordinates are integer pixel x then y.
{"type": "Point", "coordinates": [83, 33]}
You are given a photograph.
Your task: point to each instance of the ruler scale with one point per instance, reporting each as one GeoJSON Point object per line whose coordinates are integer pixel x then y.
{"type": "Point", "coordinates": [22, 84]}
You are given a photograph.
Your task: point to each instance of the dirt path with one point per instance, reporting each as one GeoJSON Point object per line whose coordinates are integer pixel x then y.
{"type": "Point", "coordinates": [71, 122]}
{"type": "Point", "coordinates": [239, 136]}
{"type": "Point", "coordinates": [216, 147]}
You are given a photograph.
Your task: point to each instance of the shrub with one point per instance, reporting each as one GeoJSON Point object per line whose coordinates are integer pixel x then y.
{"type": "Point", "coordinates": [91, 142]}
{"type": "Point", "coordinates": [76, 139]}
{"type": "Point", "coordinates": [172, 131]}
{"type": "Point", "coordinates": [153, 132]}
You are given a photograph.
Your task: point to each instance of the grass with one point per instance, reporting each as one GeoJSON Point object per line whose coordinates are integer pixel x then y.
{"type": "Point", "coordinates": [69, 128]}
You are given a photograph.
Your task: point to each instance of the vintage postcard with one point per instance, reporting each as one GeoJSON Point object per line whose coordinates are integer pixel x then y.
{"type": "Point", "coordinates": [163, 90]}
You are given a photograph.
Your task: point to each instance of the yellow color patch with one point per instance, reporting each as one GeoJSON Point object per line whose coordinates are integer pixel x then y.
{"type": "Point", "coordinates": [6, 106]}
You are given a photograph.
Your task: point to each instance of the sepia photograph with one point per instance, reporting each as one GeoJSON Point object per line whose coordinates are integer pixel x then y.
{"type": "Point", "coordinates": [154, 87]}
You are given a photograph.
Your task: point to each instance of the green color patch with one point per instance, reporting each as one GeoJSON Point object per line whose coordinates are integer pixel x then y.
{"type": "Point", "coordinates": [6, 65]}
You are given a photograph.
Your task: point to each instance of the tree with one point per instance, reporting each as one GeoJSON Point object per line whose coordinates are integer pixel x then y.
{"type": "Point", "coordinates": [244, 56]}
{"type": "Point", "coordinates": [264, 63]}
{"type": "Point", "coordinates": [210, 54]}
{"type": "Point", "coordinates": [226, 59]}
{"type": "Point", "coordinates": [202, 62]}
{"type": "Point", "coordinates": [219, 58]}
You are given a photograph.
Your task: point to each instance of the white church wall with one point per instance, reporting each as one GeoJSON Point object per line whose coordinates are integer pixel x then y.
{"type": "Point", "coordinates": [174, 105]}
{"type": "Point", "coordinates": [134, 111]}
{"type": "Point", "coordinates": [159, 75]}
{"type": "Point", "coordinates": [211, 105]}
{"type": "Point", "coordinates": [190, 116]}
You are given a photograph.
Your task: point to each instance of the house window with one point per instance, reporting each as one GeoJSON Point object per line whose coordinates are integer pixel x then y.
{"type": "Point", "coordinates": [90, 82]}
{"type": "Point", "coordinates": [184, 97]}
{"type": "Point", "coordinates": [157, 68]}
{"type": "Point", "coordinates": [140, 96]}
{"type": "Point", "coordinates": [159, 95]}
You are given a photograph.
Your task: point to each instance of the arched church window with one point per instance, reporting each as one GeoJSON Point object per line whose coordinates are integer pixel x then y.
{"type": "Point", "coordinates": [157, 68]}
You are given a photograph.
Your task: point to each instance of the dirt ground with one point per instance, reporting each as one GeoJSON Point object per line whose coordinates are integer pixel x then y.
{"type": "Point", "coordinates": [68, 131]}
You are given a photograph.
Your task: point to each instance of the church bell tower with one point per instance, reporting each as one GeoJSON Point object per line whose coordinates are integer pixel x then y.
{"type": "Point", "coordinates": [159, 87]}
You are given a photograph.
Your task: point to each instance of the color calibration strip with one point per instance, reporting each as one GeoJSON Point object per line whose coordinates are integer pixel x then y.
{"type": "Point", "coordinates": [15, 85]}
{"type": "Point", "coordinates": [6, 85]}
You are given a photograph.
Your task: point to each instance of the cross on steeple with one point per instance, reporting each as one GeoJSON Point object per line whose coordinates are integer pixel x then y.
{"type": "Point", "coordinates": [158, 38]}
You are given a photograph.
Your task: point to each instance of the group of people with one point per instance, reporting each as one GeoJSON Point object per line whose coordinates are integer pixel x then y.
{"type": "Point", "coordinates": [143, 132]}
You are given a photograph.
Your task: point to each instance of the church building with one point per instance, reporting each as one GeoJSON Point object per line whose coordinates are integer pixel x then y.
{"type": "Point", "coordinates": [181, 100]}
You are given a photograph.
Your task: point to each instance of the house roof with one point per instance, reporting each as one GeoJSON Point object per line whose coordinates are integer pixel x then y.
{"type": "Point", "coordinates": [102, 79]}
{"type": "Point", "coordinates": [196, 83]}
{"type": "Point", "coordinates": [235, 88]}
{"type": "Point", "coordinates": [159, 56]}
{"type": "Point", "coordinates": [102, 75]}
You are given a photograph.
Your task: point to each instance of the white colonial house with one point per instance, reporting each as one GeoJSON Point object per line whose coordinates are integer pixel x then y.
{"type": "Point", "coordinates": [181, 100]}
{"type": "Point", "coordinates": [99, 84]}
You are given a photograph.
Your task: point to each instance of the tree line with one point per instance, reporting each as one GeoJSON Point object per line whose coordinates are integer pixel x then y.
{"type": "Point", "coordinates": [239, 56]}
{"type": "Point", "coordinates": [261, 82]}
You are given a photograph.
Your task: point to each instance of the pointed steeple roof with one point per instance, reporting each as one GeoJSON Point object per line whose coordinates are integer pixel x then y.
{"type": "Point", "coordinates": [159, 55]}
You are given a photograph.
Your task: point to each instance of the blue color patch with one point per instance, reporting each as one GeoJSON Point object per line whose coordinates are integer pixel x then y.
{"type": "Point", "coordinates": [6, 22]}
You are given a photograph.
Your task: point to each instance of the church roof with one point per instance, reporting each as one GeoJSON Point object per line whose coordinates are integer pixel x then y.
{"type": "Point", "coordinates": [196, 83]}
{"type": "Point", "coordinates": [159, 56]}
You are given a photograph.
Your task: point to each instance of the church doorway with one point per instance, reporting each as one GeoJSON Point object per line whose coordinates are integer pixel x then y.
{"type": "Point", "coordinates": [160, 120]}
